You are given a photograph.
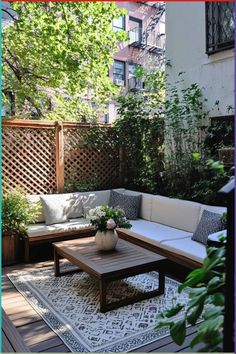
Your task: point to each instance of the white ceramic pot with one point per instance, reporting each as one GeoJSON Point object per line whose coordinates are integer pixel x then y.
{"type": "Point", "coordinates": [106, 240]}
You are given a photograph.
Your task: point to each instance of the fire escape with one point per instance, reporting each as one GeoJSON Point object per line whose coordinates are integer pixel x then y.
{"type": "Point", "coordinates": [139, 38]}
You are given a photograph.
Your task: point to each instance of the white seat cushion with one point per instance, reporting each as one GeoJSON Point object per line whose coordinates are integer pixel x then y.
{"type": "Point", "coordinates": [215, 236]}
{"type": "Point", "coordinates": [177, 213]}
{"type": "Point", "coordinates": [186, 247]}
{"type": "Point", "coordinates": [71, 225]}
{"type": "Point", "coordinates": [154, 233]}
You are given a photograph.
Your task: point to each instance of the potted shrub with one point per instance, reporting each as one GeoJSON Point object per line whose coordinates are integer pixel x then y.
{"type": "Point", "coordinates": [17, 213]}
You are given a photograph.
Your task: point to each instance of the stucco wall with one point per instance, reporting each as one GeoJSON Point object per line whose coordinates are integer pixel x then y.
{"type": "Point", "coordinates": [185, 48]}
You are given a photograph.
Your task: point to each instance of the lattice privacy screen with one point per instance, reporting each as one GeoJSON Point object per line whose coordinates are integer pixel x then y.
{"type": "Point", "coordinates": [29, 157]}
{"type": "Point", "coordinates": [89, 163]}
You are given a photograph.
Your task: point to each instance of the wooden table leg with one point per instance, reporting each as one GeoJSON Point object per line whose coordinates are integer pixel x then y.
{"type": "Point", "coordinates": [161, 282]}
{"type": "Point", "coordinates": [56, 263]}
{"type": "Point", "coordinates": [104, 307]}
{"type": "Point", "coordinates": [102, 290]}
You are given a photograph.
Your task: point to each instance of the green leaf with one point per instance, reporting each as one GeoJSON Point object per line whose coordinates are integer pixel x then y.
{"type": "Point", "coordinates": [194, 278]}
{"type": "Point", "coordinates": [215, 283]}
{"type": "Point", "coordinates": [213, 312]}
{"type": "Point", "coordinates": [211, 324]}
{"type": "Point", "coordinates": [174, 310]}
{"type": "Point", "coordinates": [218, 299]}
{"type": "Point", "coordinates": [197, 339]}
{"type": "Point", "coordinates": [164, 324]}
{"type": "Point", "coordinates": [195, 314]}
{"type": "Point", "coordinates": [196, 156]}
{"type": "Point", "coordinates": [178, 332]}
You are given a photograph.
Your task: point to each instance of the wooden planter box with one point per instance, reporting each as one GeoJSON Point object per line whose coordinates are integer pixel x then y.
{"type": "Point", "coordinates": [226, 156]}
{"type": "Point", "coordinates": [10, 249]}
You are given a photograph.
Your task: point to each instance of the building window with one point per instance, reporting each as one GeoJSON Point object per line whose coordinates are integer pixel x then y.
{"type": "Point", "coordinates": [119, 73]}
{"type": "Point", "coordinates": [118, 24]}
{"type": "Point", "coordinates": [219, 26]}
{"type": "Point", "coordinates": [135, 30]}
{"type": "Point", "coordinates": [135, 82]}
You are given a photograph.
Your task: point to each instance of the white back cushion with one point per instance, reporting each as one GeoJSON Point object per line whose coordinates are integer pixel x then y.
{"type": "Point", "coordinates": [73, 202]}
{"type": "Point", "coordinates": [177, 213]}
{"type": "Point", "coordinates": [213, 209]}
{"type": "Point", "coordinates": [146, 204]}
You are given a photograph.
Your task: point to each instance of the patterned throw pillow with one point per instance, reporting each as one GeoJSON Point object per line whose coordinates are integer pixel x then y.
{"type": "Point", "coordinates": [208, 224]}
{"type": "Point", "coordinates": [129, 203]}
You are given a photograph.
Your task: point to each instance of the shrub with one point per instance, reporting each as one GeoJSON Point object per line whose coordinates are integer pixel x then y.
{"type": "Point", "coordinates": [17, 213]}
{"type": "Point", "coordinates": [195, 178]}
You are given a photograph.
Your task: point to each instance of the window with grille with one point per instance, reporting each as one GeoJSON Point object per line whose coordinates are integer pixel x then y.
{"type": "Point", "coordinates": [219, 26]}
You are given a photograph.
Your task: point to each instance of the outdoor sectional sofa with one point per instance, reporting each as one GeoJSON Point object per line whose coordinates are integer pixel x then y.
{"type": "Point", "coordinates": [165, 225]}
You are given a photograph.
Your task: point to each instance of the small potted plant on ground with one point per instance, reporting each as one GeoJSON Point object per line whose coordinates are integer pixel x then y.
{"type": "Point", "coordinates": [17, 214]}
{"type": "Point", "coordinates": [105, 220]}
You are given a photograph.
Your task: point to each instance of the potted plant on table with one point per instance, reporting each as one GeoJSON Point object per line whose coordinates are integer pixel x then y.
{"type": "Point", "coordinates": [17, 214]}
{"type": "Point", "coordinates": [106, 219]}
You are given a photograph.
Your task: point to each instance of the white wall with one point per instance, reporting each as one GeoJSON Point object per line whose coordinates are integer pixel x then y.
{"type": "Point", "coordinates": [185, 48]}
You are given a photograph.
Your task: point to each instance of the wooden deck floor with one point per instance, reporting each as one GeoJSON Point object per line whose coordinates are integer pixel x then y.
{"type": "Point", "coordinates": [38, 337]}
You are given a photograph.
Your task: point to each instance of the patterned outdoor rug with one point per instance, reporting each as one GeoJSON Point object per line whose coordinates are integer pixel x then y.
{"type": "Point", "coordinates": [69, 305]}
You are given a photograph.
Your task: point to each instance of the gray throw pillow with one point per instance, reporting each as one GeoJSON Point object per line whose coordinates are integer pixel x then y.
{"type": "Point", "coordinates": [75, 205]}
{"type": "Point", "coordinates": [129, 203]}
{"type": "Point", "coordinates": [208, 224]}
{"type": "Point", "coordinates": [54, 209]}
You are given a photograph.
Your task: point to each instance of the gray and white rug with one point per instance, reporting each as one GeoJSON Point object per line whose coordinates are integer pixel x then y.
{"type": "Point", "coordinates": [70, 306]}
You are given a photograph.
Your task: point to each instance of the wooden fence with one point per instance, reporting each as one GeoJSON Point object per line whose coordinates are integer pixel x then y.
{"type": "Point", "coordinates": [40, 156]}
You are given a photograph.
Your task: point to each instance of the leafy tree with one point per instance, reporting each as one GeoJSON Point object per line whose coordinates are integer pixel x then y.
{"type": "Point", "coordinates": [140, 131]}
{"type": "Point", "coordinates": [56, 57]}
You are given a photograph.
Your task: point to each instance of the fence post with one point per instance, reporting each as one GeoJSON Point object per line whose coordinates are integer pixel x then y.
{"type": "Point", "coordinates": [59, 157]}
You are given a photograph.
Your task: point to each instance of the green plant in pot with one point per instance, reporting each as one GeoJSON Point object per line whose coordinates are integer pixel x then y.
{"type": "Point", "coordinates": [17, 214]}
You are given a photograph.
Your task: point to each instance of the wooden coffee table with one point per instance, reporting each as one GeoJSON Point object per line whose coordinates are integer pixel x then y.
{"type": "Point", "coordinates": [125, 261]}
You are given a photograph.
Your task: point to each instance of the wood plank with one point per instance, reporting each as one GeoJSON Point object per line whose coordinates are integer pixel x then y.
{"type": "Point", "coordinates": [173, 347]}
{"type": "Point", "coordinates": [10, 310]}
{"type": "Point", "coordinates": [161, 343]}
{"type": "Point", "coordinates": [13, 335]}
{"type": "Point", "coordinates": [36, 332]}
{"type": "Point", "coordinates": [191, 350]}
{"type": "Point", "coordinates": [29, 123]}
{"type": "Point", "coordinates": [17, 299]}
{"type": "Point", "coordinates": [59, 349]}
{"type": "Point", "coordinates": [45, 345]}
{"type": "Point", "coordinates": [6, 345]}
{"type": "Point", "coordinates": [25, 317]}
{"type": "Point", "coordinates": [59, 157]}
{"type": "Point", "coordinates": [9, 294]}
